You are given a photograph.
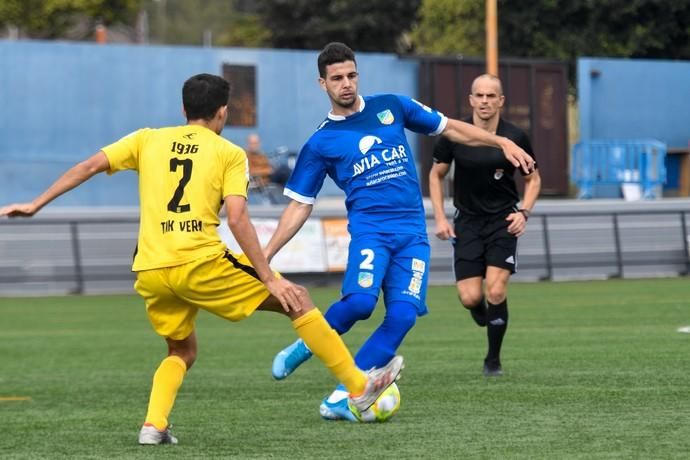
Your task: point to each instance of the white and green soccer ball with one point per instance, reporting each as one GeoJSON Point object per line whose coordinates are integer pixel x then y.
{"type": "Point", "coordinates": [383, 409]}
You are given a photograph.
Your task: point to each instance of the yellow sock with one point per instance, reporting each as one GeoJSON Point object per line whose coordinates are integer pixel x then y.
{"type": "Point", "coordinates": [327, 345]}
{"type": "Point", "coordinates": [166, 382]}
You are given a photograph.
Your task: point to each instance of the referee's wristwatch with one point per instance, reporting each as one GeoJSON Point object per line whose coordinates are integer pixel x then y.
{"type": "Point", "coordinates": [525, 212]}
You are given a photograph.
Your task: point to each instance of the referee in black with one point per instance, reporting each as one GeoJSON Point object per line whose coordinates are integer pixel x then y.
{"type": "Point", "coordinates": [489, 215]}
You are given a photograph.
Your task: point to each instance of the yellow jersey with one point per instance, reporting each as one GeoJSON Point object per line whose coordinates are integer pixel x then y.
{"type": "Point", "coordinates": [184, 174]}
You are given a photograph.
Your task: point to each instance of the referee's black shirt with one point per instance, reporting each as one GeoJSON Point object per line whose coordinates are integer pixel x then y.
{"type": "Point", "coordinates": [483, 180]}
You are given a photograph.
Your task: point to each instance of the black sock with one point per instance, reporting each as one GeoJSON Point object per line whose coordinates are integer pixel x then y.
{"type": "Point", "coordinates": [497, 323]}
{"type": "Point", "coordinates": [478, 312]}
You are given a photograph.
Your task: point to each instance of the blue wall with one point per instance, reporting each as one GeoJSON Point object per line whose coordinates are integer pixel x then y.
{"type": "Point", "coordinates": [62, 101]}
{"type": "Point", "coordinates": [633, 99]}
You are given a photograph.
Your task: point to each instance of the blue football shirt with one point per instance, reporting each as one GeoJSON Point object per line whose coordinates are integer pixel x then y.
{"type": "Point", "coordinates": [367, 155]}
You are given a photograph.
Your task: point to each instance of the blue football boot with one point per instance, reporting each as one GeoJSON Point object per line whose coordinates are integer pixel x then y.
{"type": "Point", "coordinates": [289, 359]}
{"type": "Point", "coordinates": [339, 408]}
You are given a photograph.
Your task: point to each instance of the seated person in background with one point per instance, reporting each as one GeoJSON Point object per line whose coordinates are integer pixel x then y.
{"type": "Point", "coordinates": [260, 168]}
{"type": "Point", "coordinates": [283, 166]}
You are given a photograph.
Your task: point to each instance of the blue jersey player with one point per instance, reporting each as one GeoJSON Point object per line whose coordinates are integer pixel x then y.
{"type": "Point", "coordinates": [362, 146]}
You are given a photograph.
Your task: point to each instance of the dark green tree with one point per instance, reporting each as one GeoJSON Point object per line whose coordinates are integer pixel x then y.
{"type": "Point", "coordinates": [52, 18]}
{"type": "Point", "coordinates": [450, 27]}
{"type": "Point", "coordinates": [226, 23]}
{"type": "Point", "coordinates": [365, 26]}
{"type": "Point", "coordinates": [560, 29]}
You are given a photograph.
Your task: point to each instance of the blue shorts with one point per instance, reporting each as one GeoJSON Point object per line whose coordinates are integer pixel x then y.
{"type": "Point", "coordinates": [398, 264]}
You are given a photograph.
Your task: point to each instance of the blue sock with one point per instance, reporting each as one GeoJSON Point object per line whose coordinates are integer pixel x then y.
{"type": "Point", "coordinates": [382, 345]}
{"type": "Point", "coordinates": [343, 314]}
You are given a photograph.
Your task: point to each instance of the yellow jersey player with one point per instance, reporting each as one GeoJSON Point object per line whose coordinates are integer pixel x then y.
{"type": "Point", "coordinates": [186, 173]}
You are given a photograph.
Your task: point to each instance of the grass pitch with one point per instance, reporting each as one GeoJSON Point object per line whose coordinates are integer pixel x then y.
{"type": "Point", "coordinates": [593, 370]}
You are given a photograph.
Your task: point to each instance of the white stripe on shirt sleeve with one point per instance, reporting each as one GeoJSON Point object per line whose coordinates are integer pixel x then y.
{"type": "Point", "coordinates": [297, 197]}
{"type": "Point", "coordinates": [441, 127]}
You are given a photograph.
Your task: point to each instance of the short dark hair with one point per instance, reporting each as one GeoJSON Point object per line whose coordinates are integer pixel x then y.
{"type": "Point", "coordinates": [203, 95]}
{"type": "Point", "coordinates": [334, 53]}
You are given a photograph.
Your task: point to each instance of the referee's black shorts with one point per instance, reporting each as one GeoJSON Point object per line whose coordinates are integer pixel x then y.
{"type": "Point", "coordinates": [482, 241]}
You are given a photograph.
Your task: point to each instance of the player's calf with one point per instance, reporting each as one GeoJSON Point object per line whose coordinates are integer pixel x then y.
{"type": "Point", "coordinates": [479, 313]}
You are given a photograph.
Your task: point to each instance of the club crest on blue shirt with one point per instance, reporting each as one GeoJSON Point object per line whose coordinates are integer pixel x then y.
{"type": "Point", "coordinates": [386, 117]}
{"type": "Point", "coordinates": [498, 174]}
{"type": "Point", "coordinates": [365, 279]}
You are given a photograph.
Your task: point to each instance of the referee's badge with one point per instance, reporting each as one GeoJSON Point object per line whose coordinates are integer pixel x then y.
{"type": "Point", "coordinates": [365, 279]}
{"type": "Point", "coordinates": [498, 174]}
{"type": "Point", "coordinates": [386, 117]}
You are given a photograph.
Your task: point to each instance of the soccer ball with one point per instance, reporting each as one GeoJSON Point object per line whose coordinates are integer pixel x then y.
{"type": "Point", "coordinates": [383, 409]}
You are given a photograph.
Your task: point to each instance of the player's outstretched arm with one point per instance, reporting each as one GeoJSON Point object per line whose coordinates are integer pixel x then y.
{"type": "Point", "coordinates": [292, 219]}
{"type": "Point", "coordinates": [443, 229]}
{"type": "Point", "coordinates": [291, 296]}
{"type": "Point", "coordinates": [466, 133]}
{"type": "Point", "coordinates": [75, 176]}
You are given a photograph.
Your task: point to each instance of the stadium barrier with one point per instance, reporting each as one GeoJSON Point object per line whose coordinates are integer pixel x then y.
{"type": "Point", "coordinates": [84, 253]}
{"type": "Point", "coordinates": [634, 167]}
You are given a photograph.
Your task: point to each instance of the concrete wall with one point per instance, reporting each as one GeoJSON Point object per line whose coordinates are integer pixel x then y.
{"type": "Point", "coordinates": [63, 101]}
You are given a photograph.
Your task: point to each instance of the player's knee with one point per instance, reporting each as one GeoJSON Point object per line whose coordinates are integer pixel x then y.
{"type": "Point", "coordinates": [304, 298]}
{"type": "Point", "coordinates": [470, 299]}
{"type": "Point", "coordinates": [188, 356]}
{"type": "Point", "coordinates": [495, 294]}
{"type": "Point", "coordinates": [360, 306]}
{"type": "Point", "coordinates": [184, 349]}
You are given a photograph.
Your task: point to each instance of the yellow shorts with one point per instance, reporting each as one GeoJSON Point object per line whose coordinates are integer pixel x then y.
{"type": "Point", "coordinates": [224, 284]}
